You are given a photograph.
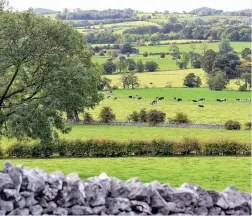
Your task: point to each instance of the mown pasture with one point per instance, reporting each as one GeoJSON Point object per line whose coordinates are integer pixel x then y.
{"type": "Point", "coordinates": [124, 133]}
{"type": "Point", "coordinates": [213, 113]}
{"type": "Point", "coordinates": [161, 79]}
{"type": "Point", "coordinates": [209, 172]}
{"type": "Point", "coordinates": [238, 47]}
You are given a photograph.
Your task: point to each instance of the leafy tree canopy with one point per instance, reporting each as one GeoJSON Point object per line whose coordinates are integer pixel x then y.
{"type": "Point", "coordinates": [45, 70]}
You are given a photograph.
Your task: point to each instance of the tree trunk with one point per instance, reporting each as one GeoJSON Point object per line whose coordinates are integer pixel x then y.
{"type": "Point", "coordinates": [76, 115]}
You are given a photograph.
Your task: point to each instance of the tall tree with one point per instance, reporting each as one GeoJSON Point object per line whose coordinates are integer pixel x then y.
{"type": "Point", "coordinates": [209, 60]}
{"type": "Point", "coordinates": [45, 70]}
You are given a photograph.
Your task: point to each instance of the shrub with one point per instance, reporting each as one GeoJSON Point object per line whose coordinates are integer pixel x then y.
{"type": "Point", "coordinates": [162, 55]}
{"type": "Point", "coordinates": [101, 53]}
{"type": "Point", "coordinates": [107, 115]}
{"type": "Point", "coordinates": [143, 115]}
{"type": "Point", "coordinates": [180, 117]}
{"type": "Point", "coordinates": [88, 117]}
{"type": "Point", "coordinates": [150, 66]}
{"type": "Point", "coordinates": [168, 84]}
{"type": "Point", "coordinates": [192, 81]}
{"type": "Point", "coordinates": [242, 88]}
{"type": "Point", "coordinates": [232, 125]}
{"type": "Point", "coordinates": [155, 117]}
{"type": "Point", "coordinates": [187, 146]}
{"type": "Point", "coordinates": [145, 54]}
{"type": "Point", "coordinates": [134, 116]}
{"type": "Point", "coordinates": [247, 126]}
{"type": "Point", "coordinates": [114, 87]}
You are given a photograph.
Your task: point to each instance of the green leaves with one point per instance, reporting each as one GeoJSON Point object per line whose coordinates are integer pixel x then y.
{"type": "Point", "coordinates": [45, 70]}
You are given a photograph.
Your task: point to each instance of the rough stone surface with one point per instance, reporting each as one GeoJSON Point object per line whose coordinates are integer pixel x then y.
{"type": "Point", "coordinates": [25, 191]}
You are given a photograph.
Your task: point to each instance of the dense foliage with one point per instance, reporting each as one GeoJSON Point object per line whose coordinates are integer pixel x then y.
{"type": "Point", "coordinates": [114, 148]}
{"type": "Point", "coordinates": [45, 70]}
{"type": "Point", "coordinates": [79, 14]}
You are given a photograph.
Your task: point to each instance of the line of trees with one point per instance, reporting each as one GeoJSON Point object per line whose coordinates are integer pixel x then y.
{"type": "Point", "coordinates": [78, 14]}
{"type": "Point", "coordinates": [123, 64]}
{"type": "Point", "coordinates": [225, 65]}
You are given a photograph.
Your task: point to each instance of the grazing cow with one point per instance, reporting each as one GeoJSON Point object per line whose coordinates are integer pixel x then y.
{"type": "Point", "coordinates": [224, 100]}
{"type": "Point", "coordinates": [173, 98]}
{"type": "Point", "coordinates": [179, 100]}
{"type": "Point", "coordinates": [131, 97]}
{"type": "Point", "coordinates": [151, 83]}
{"type": "Point", "coordinates": [238, 99]}
{"type": "Point", "coordinates": [139, 98]}
{"type": "Point", "coordinates": [218, 100]}
{"type": "Point", "coordinates": [194, 101]}
{"type": "Point", "coordinates": [202, 99]}
{"type": "Point", "coordinates": [161, 98]}
{"type": "Point", "coordinates": [249, 99]}
{"type": "Point", "coordinates": [201, 106]}
{"type": "Point", "coordinates": [153, 102]}
{"type": "Point", "coordinates": [115, 98]}
{"type": "Point", "coordinates": [108, 97]}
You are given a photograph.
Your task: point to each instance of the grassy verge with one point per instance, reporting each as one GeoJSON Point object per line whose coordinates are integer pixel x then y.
{"type": "Point", "coordinates": [149, 133]}
{"type": "Point", "coordinates": [210, 172]}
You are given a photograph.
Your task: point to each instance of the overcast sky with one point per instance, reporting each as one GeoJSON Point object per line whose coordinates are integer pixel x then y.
{"type": "Point", "coordinates": [144, 5]}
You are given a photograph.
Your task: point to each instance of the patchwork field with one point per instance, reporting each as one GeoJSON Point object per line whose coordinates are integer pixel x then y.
{"type": "Point", "coordinates": [173, 77]}
{"type": "Point", "coordinates": [209, 172]}
{"type": "Point", "coordinates": [213, 113]}
{"type": "Point", "coordinates": [149, 133]}
{"type": "Point", "coordinates": [238, 47]}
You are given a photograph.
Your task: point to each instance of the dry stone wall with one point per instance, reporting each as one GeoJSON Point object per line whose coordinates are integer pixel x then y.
{"type": "Point", "coordinates": [26, 191]}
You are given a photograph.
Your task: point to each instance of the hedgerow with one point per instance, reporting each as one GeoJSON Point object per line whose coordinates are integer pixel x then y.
{"type": "Point", "coordinates": [113, 148]}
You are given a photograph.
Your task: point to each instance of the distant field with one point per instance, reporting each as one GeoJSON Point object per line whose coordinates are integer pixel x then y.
{"type": "Point", "coordinates": [213, 113]}
{"type": "Point", "coordinates": [215, 173]}
{"type": "Point", "coordinates": [173, 77]}
{"type": "Point", "coordinates": [160, 79]}
{"type": "Point", "coordinates": [150, 133]}
{"type": "Point", "coordinates": [238, 47]}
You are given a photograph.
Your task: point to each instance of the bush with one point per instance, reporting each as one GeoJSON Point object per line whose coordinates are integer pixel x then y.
{"type": "Point", "coordinates": [162, 55]}
{"type": "Point", "coordinates": [247, 126]}
{"type": "Point", "coordinates": [145, 54]}
{"type": "Point", "coordinates": [150, 66]}
{"type": "Point", "coordinates": [101, 53]}
{"type": "Point", "coordinates": [88, 117]}
{"type": "Point", "coordinates": [114, 87]}
{"type": "Point", "coordinates": [187, 146]}
{"type": "Point", "coordinates": [179, 118]}
{"type": "Point", "coordinates": [107, 115]}
{"type": "Point", "coordinates": [155, 117]}
{"type": "Point", "coordinates": [192, 81]}
{"type": "Point", "coordinates": [242, 88]}
{"type": "Point", "coordinates": [232, 125]}
{"type": "Point", "coordinates": [143, 115]}
{"type": "Point", "coordinates": [168, 84]}
{"type": "Point", "coordinates": [134, 116]}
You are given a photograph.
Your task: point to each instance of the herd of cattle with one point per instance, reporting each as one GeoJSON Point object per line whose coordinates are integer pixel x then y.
{"type": "Point", "coordinates": [157, 99]}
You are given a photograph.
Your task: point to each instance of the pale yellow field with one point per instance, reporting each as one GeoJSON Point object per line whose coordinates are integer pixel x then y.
{"type": "Point", "coordinates": [160, 79]}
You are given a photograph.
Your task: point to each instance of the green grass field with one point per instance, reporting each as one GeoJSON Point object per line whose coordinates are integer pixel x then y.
{"type": "Point", "coordinates": [238, 47]}
{"type": "Point", "coordinates": [149, 133]}
{"type": "Point", "coordinates": [213, 113]}
{"type": "Point", "coordinates": [209, 172]}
